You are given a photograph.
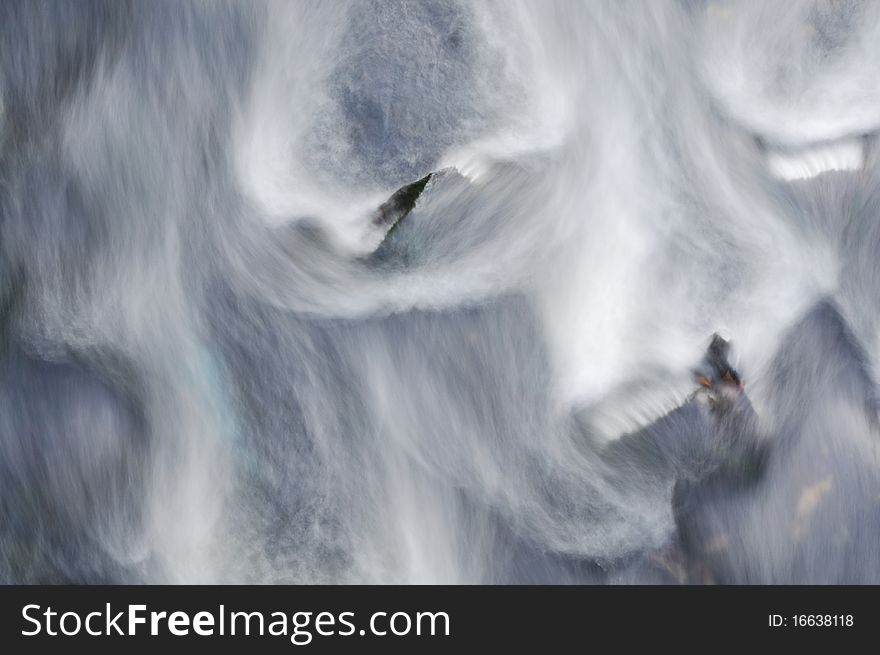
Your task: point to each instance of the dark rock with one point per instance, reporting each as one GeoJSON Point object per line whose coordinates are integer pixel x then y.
{"type": "Point", "coordinates": [400, 204]}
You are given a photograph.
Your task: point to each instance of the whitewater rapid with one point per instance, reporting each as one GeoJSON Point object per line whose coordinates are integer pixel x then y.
{"type": "Point", "coordinates": [217, 368]}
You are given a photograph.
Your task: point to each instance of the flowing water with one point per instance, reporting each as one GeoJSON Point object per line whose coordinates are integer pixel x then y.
{"type": "Point", "coordinates": [216, 367]}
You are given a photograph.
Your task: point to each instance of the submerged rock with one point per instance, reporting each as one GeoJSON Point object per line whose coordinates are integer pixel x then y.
{"type": "Point", "coordinates": [785, 514]}
{"type": "Point", "coordinates": [708, 447]}
{"type": "Point", "coordinates": [405, 244]}
{"type": "Point", "coordinates": [399, 205]}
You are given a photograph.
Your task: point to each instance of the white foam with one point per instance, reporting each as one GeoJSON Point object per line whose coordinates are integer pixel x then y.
{"type": "Point", "coordinates": [844, 155]}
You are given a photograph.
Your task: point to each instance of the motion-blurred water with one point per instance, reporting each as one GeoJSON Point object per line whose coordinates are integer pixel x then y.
{"type": "Point", "coordinates": [212, 371]}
